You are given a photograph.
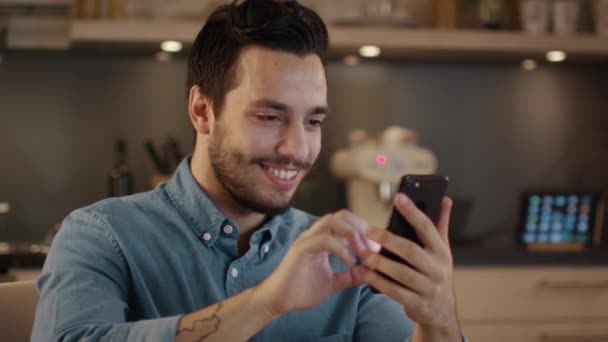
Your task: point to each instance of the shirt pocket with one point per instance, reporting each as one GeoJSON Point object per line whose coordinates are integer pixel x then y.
{"type": "Point", "coordinates": [333, 338]}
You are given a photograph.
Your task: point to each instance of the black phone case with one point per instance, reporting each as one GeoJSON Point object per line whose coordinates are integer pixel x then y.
{"type": "Point", "coordinates": [427, 191]}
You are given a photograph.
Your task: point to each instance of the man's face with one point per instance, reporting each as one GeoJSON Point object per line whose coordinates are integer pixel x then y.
{"type": "Point", "coordinates": [269, 133]}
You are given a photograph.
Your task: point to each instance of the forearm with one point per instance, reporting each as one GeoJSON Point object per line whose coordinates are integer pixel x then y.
{"type": "Point", "coordinates": [162, 329]}
{"type": "Point", "coordinates": [451, 333]}
{"type": "Point", "coordinates": [234, 319]}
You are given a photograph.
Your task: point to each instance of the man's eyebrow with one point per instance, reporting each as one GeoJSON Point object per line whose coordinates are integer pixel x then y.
{"type": "Point", "coordinates": [272, 104]}
{"type": "Point", "coordinates": [282, 107]}
{"type": "Point", "coordinates": [320, 110]}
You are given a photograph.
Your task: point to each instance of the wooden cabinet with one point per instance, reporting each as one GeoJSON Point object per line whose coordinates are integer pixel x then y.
{"type": "Point", "coordinates": [541, 304]}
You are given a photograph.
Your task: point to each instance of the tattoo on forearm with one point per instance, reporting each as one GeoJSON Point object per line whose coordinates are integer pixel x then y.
{"type": "Point", "coordinates": [204, 327]}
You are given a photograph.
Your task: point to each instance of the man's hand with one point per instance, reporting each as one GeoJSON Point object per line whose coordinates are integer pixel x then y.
{"type": "Point", "coordinates": [304, 278]}
{"type": "Point", "coordinates": [425, 289]}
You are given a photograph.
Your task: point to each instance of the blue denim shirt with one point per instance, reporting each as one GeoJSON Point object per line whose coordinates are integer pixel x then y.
{"type": "Point", "coordinates": [126, 269]}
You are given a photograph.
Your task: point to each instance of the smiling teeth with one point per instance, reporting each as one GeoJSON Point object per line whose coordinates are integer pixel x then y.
{"type": "Point", "coordinates": [282, 174]}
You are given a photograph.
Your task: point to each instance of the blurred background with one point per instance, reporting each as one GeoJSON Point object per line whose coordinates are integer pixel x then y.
{"type": "Point", "coordinates": [506, 98]}
{"type": "Point", "coordinates": [471, 78]}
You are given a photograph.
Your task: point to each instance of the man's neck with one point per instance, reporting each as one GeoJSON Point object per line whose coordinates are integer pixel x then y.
{"type": "Point", "coordinates": [246, 220]}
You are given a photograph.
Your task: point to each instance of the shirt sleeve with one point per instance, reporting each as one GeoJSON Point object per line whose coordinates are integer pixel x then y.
{"type": "Point", "coordinates": [380, 318]}
{"type": "Point", "coordinates": [83, 289]}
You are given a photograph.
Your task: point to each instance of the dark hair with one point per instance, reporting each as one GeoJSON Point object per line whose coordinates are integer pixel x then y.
{"type": "Point", "coordinates": [283, 25]}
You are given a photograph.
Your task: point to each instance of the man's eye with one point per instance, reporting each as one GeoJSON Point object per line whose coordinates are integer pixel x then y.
{"type": "Point", "coordinates": [316, 123]}
{"type": "Point", "coordinates": [268, 118]}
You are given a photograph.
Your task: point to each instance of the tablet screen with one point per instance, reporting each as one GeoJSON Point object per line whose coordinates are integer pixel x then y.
{"type": "Point", "coordinates": [558, 217]}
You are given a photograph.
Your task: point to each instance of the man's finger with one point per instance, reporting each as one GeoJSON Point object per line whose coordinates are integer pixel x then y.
{"type": "Point", "coordinates": [317, 226]}
{"type": "Point", "coordinates": [393, 290]}
{"type": "Point", "coordinates": [405, 249]}
{"type": "Point", "coordinates": [329, 244]}
{"type": "Point", "coordinates": [443, 225]}
{"type": "Point", "coordinates": [348, 278]}
{"type": "Point", "coordinates": [345, 225]}
{"type": "Point", "coordinates": [424, 227]}
{"type": "Point", "coordinates": [400, 273]}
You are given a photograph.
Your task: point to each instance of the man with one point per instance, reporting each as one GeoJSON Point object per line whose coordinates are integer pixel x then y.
{"type": "Point", "coordinates": [216, 253]}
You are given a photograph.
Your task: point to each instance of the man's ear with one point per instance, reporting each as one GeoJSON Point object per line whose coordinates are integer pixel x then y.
{"type": "Point", "coordinates": [200, 110]}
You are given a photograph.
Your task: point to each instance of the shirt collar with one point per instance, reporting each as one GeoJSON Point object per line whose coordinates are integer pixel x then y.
{"type": "Point", "coordinates": [268, 231]}
{"type": "Point", "coordinates": [203, 217]}
{"type": "Point", "coordinates": [201, 214]}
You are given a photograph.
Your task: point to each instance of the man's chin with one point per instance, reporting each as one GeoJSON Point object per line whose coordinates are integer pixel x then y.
{"type": "Point", "coordinates": [274, 211]}
{"type": "Point", "coordinates": [267, 209]}
{"type": "Point", "coordinates": [271, 208]}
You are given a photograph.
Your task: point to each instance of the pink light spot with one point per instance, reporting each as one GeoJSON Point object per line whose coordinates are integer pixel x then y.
{"type": "Point", "coordinates": [381, 159]}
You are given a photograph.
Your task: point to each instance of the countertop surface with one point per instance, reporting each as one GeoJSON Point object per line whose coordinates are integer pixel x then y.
{"type": "Point", "coordinates": [463, 256]}
{"type": "Point", "coordinates": [521, 257]}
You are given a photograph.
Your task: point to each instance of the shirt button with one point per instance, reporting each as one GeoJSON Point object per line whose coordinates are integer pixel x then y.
{"type": "Point", "coordinates": [228, 229]}
{"type": "Point", "coordinates": [234, 273]}
{"type": "Point", "coordinates": [265, 249]}
{"type": "Point", "coordinates": [206, 236]}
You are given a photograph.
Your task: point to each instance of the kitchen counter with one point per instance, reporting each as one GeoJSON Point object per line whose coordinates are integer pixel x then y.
{"type": "Point", "coordinates": [521, 257]}
{"type": "Point", "coordinates": [20, 274]}
{"type": "Point", "coordinates": [33, 257]}
{"type": "Point", "coordinates": [20, 256]}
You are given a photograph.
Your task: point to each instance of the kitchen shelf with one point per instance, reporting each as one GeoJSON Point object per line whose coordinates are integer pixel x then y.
{"type": "Point", "coordinates": [395, 42]}
{"type": "Point", "coordinates": [67, 3]}
{"type": "Point", "coordinates": [472, 44]}
{"type": "Point", "coordinates": [137, 33]}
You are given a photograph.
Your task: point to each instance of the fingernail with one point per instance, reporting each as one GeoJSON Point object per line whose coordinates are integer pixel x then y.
{"type": "Point", "coordinates": [374, 246]}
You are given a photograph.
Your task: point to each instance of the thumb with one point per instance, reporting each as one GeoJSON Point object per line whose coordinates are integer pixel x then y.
{"type": "Point", "coordinates": [348, 278]}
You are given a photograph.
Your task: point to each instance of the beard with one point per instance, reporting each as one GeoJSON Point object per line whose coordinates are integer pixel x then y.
{"type": "Point", "coordinates": [230, 167]}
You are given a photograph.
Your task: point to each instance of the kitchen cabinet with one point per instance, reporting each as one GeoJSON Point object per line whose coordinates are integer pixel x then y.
{"type": "Point", "coordinates": [533, 303]}
{"type": "Point", "coordinates": [395, 42]}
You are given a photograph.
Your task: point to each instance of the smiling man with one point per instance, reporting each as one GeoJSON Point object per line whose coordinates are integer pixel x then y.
{"type": "Point", "coordinates": [217, 253]}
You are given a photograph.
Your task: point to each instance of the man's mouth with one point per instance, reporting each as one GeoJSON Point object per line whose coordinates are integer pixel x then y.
{"type": "Point", "coordinates": [283, 176]}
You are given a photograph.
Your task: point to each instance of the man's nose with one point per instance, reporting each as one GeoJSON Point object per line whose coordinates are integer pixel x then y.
{"type": "Point", "coordinates": [293, 143]}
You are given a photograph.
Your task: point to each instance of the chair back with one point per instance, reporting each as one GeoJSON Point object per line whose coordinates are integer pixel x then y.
{"type": "Point", "coordinates": [17, 310]}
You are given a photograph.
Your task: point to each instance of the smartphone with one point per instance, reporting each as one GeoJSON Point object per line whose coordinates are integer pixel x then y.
{"type": "Point", "coordinates": [427, 192]}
